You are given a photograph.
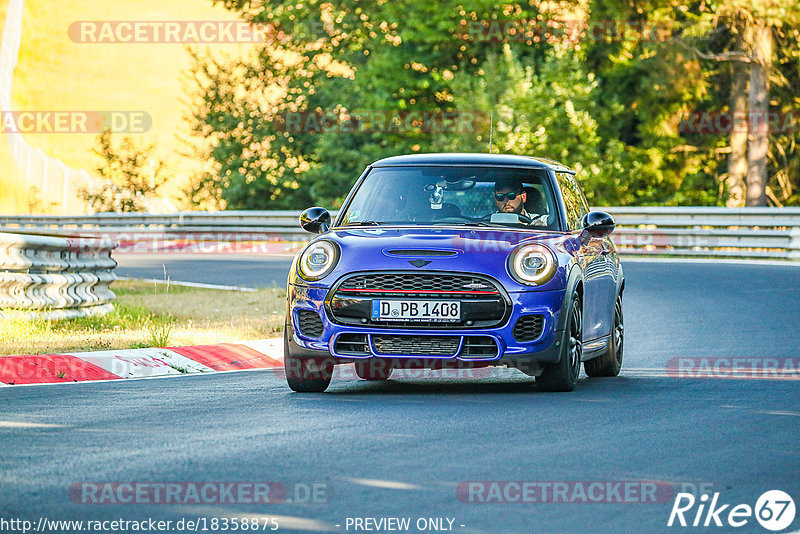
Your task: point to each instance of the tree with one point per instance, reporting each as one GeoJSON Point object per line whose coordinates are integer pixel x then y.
{"type": "Point", "coordinates": [737, 159]}
{"type": "Point", "coordinates": [751, 26]}
{"type": "Point", "coordinates": [129, 176]}
{"type": "Point", "coordinates": [610, 106]}
{"type": "Point", "coordinates": [342, 58]}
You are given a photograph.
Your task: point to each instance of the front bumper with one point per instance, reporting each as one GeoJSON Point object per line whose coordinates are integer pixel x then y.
{"type": "Point", "coordinates": [544, 349]}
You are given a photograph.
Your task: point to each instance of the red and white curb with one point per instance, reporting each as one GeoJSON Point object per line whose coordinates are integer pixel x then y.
{"type": "Point", "coordinates": [140, 363]}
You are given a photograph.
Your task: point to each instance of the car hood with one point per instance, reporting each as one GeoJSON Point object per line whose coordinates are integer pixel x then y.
{"type": "Point", "coordinates": [449, 249]}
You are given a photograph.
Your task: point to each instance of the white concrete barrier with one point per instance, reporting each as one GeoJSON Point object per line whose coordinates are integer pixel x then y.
{"type": "Point", "coordinates": [55, 277]}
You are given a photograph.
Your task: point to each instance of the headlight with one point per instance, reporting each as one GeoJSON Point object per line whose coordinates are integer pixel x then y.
{"type": "Point", "coordinates": [317, 260]}
{"type": "Point", "coordinates": [532, 264]}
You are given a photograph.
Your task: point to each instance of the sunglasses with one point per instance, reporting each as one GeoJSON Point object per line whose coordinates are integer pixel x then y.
{"type": "Point", "coordinates": [500, 197]}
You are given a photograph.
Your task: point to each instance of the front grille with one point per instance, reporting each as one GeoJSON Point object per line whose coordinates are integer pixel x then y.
{"type": "Point", "coordinates": [352, 344]}
{"type": "Point", "coordinates": [475, 347]}
{"type": "Point", "coordinates": [416, 345]}
{"type": "Point", "coordinates": [479, 347]}
{"type": "Point", "coordinates": [309, 323]}
{"type": "Point", "coordinates": [528, 328]}
{"type": "Point", "coordinates": [483, 303]}
{"type": "Point", "coordinates": [404, 283]}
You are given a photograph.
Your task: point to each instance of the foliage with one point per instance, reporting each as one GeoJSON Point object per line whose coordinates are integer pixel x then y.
{"type": "Point", "coordinates": [610, 106]}
{"type": "Point", "coordinates": [129, 176]}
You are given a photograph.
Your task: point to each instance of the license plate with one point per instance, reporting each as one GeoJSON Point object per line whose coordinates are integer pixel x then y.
{"type": "Point", "coordinates": [417, 310]}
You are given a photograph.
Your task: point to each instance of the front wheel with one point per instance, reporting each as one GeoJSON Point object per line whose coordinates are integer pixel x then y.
{"type": "Point", "coordinates": [306, 375]}
{"type": "Point", "coordinates": [563, 375]}
{"type": "Point", "coordinates": [610, 363]}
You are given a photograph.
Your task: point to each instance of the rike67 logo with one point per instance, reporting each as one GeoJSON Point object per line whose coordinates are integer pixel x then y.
{"type": "Point", "coordinates": [774, 510]}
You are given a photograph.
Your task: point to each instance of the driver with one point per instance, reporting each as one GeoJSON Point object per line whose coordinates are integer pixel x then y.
{"type": "Point", "coordinates": [510, 197]}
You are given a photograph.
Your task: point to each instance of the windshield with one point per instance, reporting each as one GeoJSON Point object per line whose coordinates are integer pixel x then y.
{"type": "Point", "coordinates": [454, 195]}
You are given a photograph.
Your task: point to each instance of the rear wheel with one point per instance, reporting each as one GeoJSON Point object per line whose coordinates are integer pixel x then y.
{"type": "Point", "coordinates": [373, 369]}
{"type": "Point", "coordinates": [306, 375]}
{"type": "Point", "coordinates": [563, 375]}
{"type": "Point", "coordinates": [610, 363]}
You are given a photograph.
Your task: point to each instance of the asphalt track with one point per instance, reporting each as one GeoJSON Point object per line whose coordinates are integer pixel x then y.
{"type": "Point", "coordinates": [401, 449]}
{"type": "Point", "coordinates": [249, 270]}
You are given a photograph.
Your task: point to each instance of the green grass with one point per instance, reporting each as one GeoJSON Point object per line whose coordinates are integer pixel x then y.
{"type": "Point", "coordinates": [148, 315]}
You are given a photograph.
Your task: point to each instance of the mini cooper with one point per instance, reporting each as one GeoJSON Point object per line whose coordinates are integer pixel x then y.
{"type": "Point", "coordinates": [445, 261]}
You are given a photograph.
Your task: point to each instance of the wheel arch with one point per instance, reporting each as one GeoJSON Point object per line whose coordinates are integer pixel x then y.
{"type": "Point", "coordinates": [574, 283]}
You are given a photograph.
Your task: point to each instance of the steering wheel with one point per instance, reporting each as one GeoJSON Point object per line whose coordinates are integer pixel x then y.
{"type": "Point", "coordinates": [524, 218]}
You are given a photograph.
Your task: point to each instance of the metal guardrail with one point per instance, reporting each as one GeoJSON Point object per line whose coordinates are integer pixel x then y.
{"type": "Point", "coordinates": [765, 233]}
{"type": "Point", "coordinates": [233, 225]}
{"type": "Point", "coordinates": [53, 277]}
{"type": "Point", "coordinates": [771, 233]}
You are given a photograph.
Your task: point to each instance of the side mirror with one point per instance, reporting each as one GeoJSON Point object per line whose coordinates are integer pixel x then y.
{"type": "Point", "coordinates": [598, 224]}
{"type": "Point", "coordinates": [315, 220]}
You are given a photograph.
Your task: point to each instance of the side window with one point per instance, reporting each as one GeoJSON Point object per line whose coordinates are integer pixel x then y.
{"type": "Point", "coordinates": [584, 203]}
{"type": "Point", "coordinates": [574, 201]}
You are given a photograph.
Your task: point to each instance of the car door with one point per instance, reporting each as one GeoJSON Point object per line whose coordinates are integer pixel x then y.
{"type": "Point", "coordinates": [595, 262]}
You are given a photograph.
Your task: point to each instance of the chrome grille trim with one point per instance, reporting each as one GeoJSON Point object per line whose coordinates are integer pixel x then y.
{"type": "Point", "coordinates": [484, 301]}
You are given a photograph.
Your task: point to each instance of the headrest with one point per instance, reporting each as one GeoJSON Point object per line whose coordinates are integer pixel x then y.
{"type": "Point", "coordinates": [534, 201]}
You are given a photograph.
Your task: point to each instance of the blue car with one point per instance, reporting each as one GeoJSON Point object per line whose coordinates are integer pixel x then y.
{"type": "Point", "coordinates": [451, 261]}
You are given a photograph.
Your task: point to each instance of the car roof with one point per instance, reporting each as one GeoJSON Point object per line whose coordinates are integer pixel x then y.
{"type": "Point", "coordinates": [455, 158]}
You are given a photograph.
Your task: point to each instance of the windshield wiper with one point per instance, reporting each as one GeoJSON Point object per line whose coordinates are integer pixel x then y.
{"type": "Point", "coordinates": [464, 223]}
{"type": "Point", "coordinates": [477, 224]}
{"type": "Point", "coordinates": [362, 223]}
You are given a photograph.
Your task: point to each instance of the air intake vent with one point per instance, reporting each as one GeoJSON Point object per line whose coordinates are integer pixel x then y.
{"type": "Point", "coordinates": [309, 323]}
{"type": "Point", "coordinates": [528, 328]}
{"type": "Point", "coordinates": [416, 345]}
{"type": "Point", "coordinates": [479, 347]}
{"type": "Point", "coordinates": [352, 344]}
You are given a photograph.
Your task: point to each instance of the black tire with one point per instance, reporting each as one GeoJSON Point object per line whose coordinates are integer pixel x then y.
{"type": "Point", "coordinates": [563, 375]}
{"type": "Point", "coordinates": [610, 363]}
{"type": "Point", "coordinates": [306, 375]}
{"type": "Point", "coordinates": [374, 369]}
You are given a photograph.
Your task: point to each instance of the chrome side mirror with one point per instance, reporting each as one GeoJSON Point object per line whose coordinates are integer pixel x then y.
{"type": "Point", "coordinates": [315, 220]}
{"type": "Point", "coordinates": [598, 224]}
